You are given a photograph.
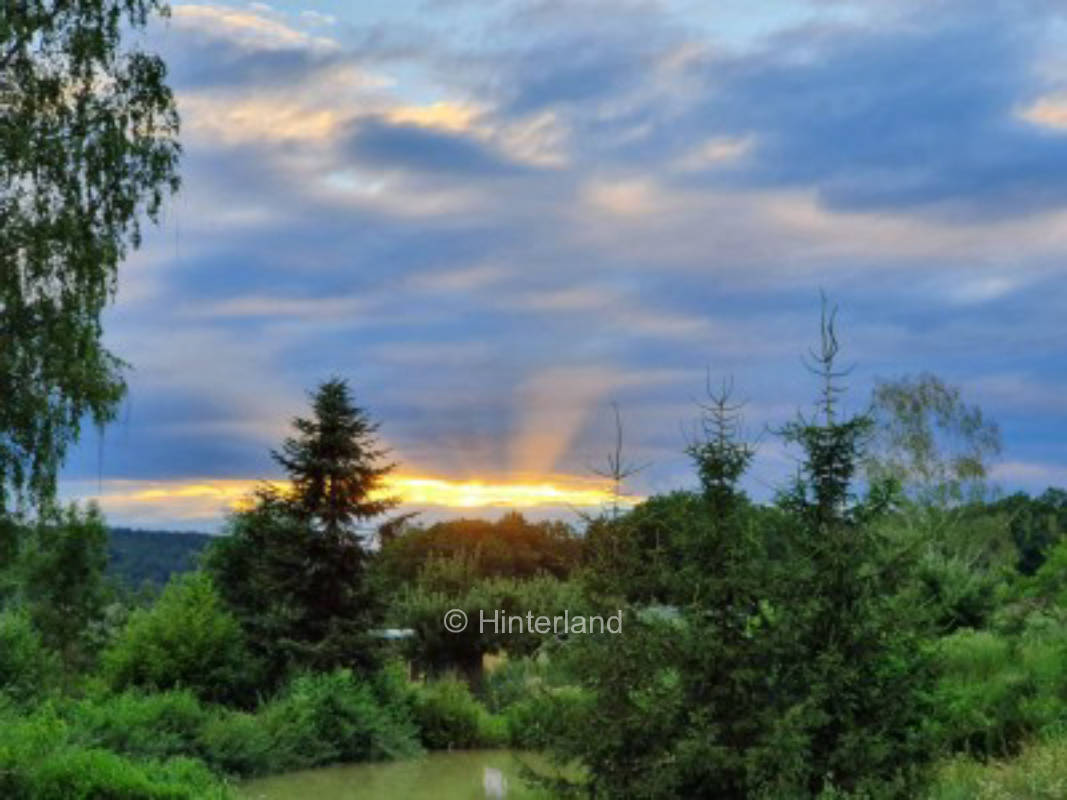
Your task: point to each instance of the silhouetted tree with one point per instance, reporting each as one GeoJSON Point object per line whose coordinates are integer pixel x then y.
{"type": "Point", "coordinates": [293, 568]}
{"type": "Point", "coordinates": [334, 463]}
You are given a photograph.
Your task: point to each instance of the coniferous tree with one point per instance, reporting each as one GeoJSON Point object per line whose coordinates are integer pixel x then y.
{"type": "Point", "coordinates": [856, 689]}
{"type": "Point", "coordinates": [677, 700]}
{"type": "Point", "coordinates": [334, 464]}
{"type": "Point", "coordinates": [294, 568]}
{"type": "Point", "coordinates": [793, 661]}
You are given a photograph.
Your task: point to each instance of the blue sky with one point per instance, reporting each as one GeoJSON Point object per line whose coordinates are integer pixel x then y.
{"type": "Point", "coordinates": [496, 218]}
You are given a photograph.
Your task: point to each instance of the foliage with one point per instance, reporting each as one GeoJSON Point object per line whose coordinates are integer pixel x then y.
{"type": "Point", "coordinates": [544, 715]}
{"type": "Point", "coordinates": [789, 659]}
{"type": "Point", "coordinates": [447, 584]}
{"type": "Point", "coordinates": [964, 558]}
{"type": "Point", "coordinates": [43, 758]}
{"type": "Point", "coordinates": [510, 546]}
{"type": "Point", "coordinates": [293, 569]}
{"type": "Point", "coordinates": [27, 669]}
{"type": "Point", "coordinates": [87, 148]}
{"type": "Point", "coordinates": [64, 580]}
{"type": "Point", "coordinates": [1039, 772]}
{"type": "Point", "coordinates": [138, 556]}
{"type": "Point", "coordinates": [1037, 525]}
{"type": "Point", "coordinates": [188, 639]}
{"type": "Point", "coordinates": [334, 463]}
{"type": "Point", "coordinates": [859, 676]}
{"type": "Point", "coordinates": [301, 598]}
{"type": "Point", "coordinates": [143, 725]}
{"type": "Point", "coordinates": [237, 743]}
{"type": "Point", "coordinates": [450, 717]}
{"type": "Point", "coordinates": [929, 439]}
{"type": "Point", "coordinates": [325, 718]}
{"type": "Point", "coordinates": [999, 690]}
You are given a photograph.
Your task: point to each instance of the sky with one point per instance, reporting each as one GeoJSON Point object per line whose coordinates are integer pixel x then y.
{"type": "Point", "coordinates": [497, 218]}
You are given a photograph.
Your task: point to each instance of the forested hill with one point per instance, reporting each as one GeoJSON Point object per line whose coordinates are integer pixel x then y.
{"type": "Point", "coordinates": [135, 556]}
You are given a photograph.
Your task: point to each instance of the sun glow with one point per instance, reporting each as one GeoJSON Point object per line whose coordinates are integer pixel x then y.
{"type": "Point", "coordinates": [479, 494]}
{"type": "Point", "coordinates": [206, 499]}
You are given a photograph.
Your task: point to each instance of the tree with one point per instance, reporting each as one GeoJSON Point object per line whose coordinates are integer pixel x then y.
{"type": "Point", "coordinates": [65, 585]}
{"type": "Point", "coordinates": [187, 639]}
{"type": "Point", "coordinates": [790, 659]}
{"type": "Point", "coordinates": [87, 149]}
{"type": "Point", "coordinates": [617, 468]}
{"type": "Point", "coordinates": [926, 437]}
{"type": "Point", "coordinates": [293, 568]}
{"type": "Point", "coordinates": [678, 701]}
{"type": "Point", "coordinates": [334, 464]}
{"type": "Point", "coordinates": [854, 672]}
{"type": "Point", "coordinates": [510, 546]}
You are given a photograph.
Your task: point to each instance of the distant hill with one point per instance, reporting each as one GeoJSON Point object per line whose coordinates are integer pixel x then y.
{"type": "Point", "coordinates": [136, 556]}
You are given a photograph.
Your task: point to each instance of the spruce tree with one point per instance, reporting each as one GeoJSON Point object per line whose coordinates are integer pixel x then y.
{"type": "Point", "coordinates": [294, 568]}
{"type": "Point", "coordinates": [858, 669]}
{"type": "Point", "coordinates": [334, 463]}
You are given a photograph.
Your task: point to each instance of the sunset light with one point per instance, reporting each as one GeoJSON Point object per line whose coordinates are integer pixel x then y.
{"type": "Point", "coordinates": [207, 499]}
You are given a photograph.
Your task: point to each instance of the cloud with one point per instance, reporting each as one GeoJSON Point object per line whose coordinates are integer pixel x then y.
{"type": "Point", "coordinates": [493, 220]}
{"type": "Point", "coordinates": [1034, 476]}
{"type": "Point", "coordinates": [628, 198]}
{"type": "Point", "coordinates": [418, 147]}
{"type": "Point", "coordinates": [716, 152]}
{"type": "Point", "coordinates": [249, 29]}
{"type": "Point", "coordinates": [858, 115]}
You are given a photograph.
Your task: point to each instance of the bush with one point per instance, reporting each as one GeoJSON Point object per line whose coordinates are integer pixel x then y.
{"type": "Point", "coordinates": [140, 725]}
{"type": "Point", "coordinates": [449, 716]}
{"type": "Point", "coordinates": [40, 759]}
{"type": "Point", "coordinates": [26, 668]}
{"type": "Point", "coordinates": [326, 718]}
{"type": "Point", "coordinates": [545, 716]}
{"type": "Point", "coordinates": [1038, 773]}
{"type": "Point", "coordinates": [187, 639]}
{"type": "Point", "coordinates": [89, 774]}
{"type": "Point", "coordinates": [997, 691]}
{"type": "Point", "coordinates": [238, 744]}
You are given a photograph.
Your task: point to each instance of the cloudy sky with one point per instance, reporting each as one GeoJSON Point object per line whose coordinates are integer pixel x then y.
{"type": "Point", "coordinates": [495, 218]}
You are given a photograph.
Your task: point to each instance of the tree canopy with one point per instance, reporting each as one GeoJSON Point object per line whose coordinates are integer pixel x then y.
{"type": "Point", "coordinates": [88, 149]}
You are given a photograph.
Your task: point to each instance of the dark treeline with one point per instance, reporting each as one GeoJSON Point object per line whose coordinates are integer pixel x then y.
{"type": "Point", "coordinates": [136, 557]}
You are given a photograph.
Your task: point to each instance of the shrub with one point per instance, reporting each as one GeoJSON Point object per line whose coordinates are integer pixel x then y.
{"type": "Point", "coordinates": [449, 716]}
{"type": "Point", "coordinates": [76, 774]}
{"type": "Point", "coordinates": [40, 759]}
{"type": "Point", "coordinates": [187, 639]}
{"type": "Point", "coordinates": [996, 691]}
{"type": "Point", "coordinates": [26, 668]}
{"type": "Point", "coordinates": [545, 716]}
{"type": "Point", "coordinates": [1038, 773]}
{"type": "Point", "coordinates": [238, 744]}
{"type": "Point", "coordinates": [140, 725]}
{"type": "Point", "coordinates": [325, 718]}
